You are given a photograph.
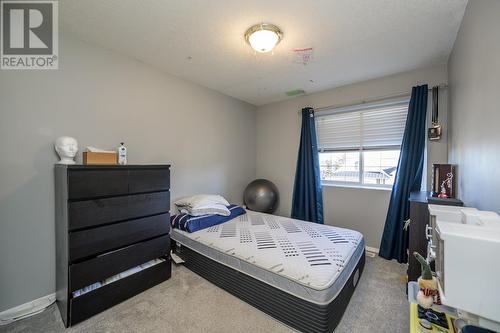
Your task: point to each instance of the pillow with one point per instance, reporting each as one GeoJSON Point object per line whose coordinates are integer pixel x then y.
{"type": "Point", "coordinates": [200, 200]}
{"type": "Point", "coordinates": [210, 209]}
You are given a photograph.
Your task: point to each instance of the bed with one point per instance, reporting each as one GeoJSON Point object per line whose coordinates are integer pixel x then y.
{"type": "Point", "coordinates": [301, 273]}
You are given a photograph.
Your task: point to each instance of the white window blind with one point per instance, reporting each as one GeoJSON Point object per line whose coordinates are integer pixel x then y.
{"type": "Point", "coordinates": [364, 126]}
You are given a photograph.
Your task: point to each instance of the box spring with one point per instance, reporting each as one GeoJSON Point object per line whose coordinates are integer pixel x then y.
{"type": "Point", "coordinates": [292, 311]}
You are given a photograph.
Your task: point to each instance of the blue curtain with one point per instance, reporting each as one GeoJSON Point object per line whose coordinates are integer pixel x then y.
{"type": "Point", "coordinates": [394, 244]}
{"type": "Point", "coordinates": [307, 200]}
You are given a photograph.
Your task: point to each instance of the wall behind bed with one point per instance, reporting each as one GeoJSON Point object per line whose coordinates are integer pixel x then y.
{"type": "Point", "coordinates": [278, 133]}
{"type": "Point", "coordinates": [102, 98]}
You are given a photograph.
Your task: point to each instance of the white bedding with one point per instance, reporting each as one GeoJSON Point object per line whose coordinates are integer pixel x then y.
{"type": "Point", "coordinates": [309, 260]}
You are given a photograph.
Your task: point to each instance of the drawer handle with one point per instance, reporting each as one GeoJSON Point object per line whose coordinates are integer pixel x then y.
{"type": "Point", "coordinates": [428, 231]}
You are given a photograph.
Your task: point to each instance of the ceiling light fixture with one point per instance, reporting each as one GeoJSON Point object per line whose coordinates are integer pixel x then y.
{"type": "Point", "coordinates": [263, 37]}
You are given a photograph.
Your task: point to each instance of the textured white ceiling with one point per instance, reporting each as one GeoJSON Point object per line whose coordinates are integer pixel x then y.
{"type": "Point", "coordinates": [202, 40]}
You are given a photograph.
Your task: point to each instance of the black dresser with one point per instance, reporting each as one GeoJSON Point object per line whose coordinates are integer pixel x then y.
{"type": "Point", "coordinates": [419, 216]}
{"type": "Point", "coordinates": [109, 219]}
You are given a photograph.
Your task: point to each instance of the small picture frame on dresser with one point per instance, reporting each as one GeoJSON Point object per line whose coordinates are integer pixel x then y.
{"type": "Point", "coordinates": [443, 180]}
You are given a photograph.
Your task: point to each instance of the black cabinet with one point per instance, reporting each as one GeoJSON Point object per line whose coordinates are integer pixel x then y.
{"type": "Point", "coordinates": [109, 219]}
{"type": "Point", "coordinates": [419, 216]}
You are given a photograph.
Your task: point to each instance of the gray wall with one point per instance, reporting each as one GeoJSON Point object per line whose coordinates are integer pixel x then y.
{"type": "Point", "coordinates": [474, 70]}
{"type": "Point", "coordinates": [102, 98]}
{"type": "Point", "coordinates": [278, 133]}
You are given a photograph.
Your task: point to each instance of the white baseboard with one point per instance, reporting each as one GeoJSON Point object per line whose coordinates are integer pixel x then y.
{"type": "Point", "coordinates": [372, 250]}
{"type": "Point", "coordinates": [27, 309]}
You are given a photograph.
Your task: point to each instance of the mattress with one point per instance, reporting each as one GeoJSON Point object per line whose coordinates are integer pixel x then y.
{"type": "Point", "coordinates": [307, 260]}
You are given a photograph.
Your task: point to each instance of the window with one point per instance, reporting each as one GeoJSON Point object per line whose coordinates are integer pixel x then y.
{"type": "Point", "coordinates": [360, 145]}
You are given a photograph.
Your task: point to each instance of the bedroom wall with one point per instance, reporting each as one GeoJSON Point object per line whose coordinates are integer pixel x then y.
{"type": "Point", "coordinates": [102, 98]}
{"type": "Point", "coordinates": [278, 133]}
{"type": "Point", "coordinates": [474, 70]}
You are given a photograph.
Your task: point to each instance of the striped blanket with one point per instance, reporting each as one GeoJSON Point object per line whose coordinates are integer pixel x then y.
{"type": "Point", "coordinates": [191, 223]}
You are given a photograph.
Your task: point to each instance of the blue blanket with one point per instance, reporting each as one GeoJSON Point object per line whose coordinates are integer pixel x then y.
{"type": "Point", "coordinates": [191, 223]}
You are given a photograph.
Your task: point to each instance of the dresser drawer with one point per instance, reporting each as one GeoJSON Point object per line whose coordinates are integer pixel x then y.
{"type": "Point", "coordinates": [87, 243]}
{"type": "Point", "coordinates": [148, 180]}
{"type": "Point", "coordinates": [111, 263]}
{"type": "Point", "coordinates": [109, 181]}
{"type": "Point", "coordinates": [89, 304]}
{"type": "Point", "coordinates": [93, 182]}
{"type": "Point", "coordinates": [88, 213]}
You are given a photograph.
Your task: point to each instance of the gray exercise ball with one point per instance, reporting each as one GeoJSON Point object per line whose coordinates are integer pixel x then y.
{"type": "Point", "coordinates": [261, 195]}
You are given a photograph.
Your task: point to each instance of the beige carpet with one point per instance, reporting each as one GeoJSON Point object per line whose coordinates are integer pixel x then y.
{"type": "Point", "coordinates": [188, 303]}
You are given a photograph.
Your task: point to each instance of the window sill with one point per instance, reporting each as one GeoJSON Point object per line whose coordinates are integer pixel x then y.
{"type": "Point", "coordinates": [361, 187]}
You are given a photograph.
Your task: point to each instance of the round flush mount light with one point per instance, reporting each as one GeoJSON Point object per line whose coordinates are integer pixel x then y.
{"type": "Point", "coordinates": [263, 37]}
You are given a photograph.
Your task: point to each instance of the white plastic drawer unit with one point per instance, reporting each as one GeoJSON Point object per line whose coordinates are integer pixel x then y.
{"type": "Point", "coordinates": [467, 248]}
{"type": "Point", "coordinates": [435, 251]}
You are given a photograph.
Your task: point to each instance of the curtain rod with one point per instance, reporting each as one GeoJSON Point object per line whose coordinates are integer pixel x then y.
{"type": "Point", "coordinates": [376, 99]}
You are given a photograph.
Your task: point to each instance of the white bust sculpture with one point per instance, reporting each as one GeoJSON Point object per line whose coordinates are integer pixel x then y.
{"type": "Point", "coordinates": [66, 147]}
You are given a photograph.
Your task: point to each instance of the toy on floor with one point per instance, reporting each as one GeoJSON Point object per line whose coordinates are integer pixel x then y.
{"type": "Point", "coordinates": [427, 283]}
